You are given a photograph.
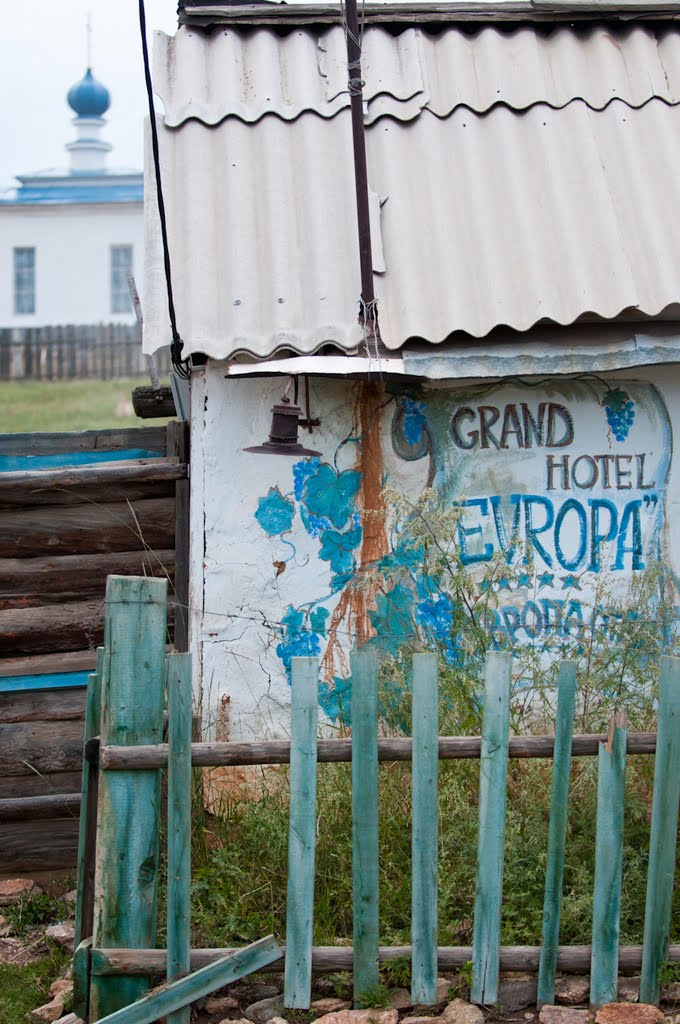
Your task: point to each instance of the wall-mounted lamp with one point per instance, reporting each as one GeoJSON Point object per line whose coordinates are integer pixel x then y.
{"type": "Point", "coordinates": [283, 434]}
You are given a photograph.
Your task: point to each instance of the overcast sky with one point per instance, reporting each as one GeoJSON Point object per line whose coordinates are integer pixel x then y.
{"type": "Point", "coordinates": [43, 52]}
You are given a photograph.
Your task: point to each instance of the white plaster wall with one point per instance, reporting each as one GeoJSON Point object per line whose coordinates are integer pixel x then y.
{"type": "Point", "coordinates": [73, 262]}
{"type": "Point", "coordinates": [243, 581]}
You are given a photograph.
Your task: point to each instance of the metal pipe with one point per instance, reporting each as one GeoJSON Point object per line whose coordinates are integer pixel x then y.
{"type": "Point", "coordinates": [368, 314]}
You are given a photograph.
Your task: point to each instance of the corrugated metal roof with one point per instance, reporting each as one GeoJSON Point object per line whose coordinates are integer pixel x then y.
{"type": "Point", "coordinates": [559, 199]}
{"type": "Point", "coordinates": [250, 73]}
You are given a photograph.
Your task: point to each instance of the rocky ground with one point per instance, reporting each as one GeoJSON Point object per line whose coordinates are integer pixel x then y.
{"type": "Point", "coordinates": [256, 1001]}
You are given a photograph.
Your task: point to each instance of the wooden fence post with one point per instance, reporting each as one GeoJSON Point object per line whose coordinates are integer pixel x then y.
{"type": "Point", "coordinates": [493, 784]}
{"type": "Point", "coordinates": [611, 774]}
{"type": "Point", "coordinates": [126, 874]}
{"type": "Point", "coordinates": [425, 829]}
{"type": "Point", "coordinates": [364, 666]}
{"type": "Point", "coordinates": [663, 838]}
{"type": "Point", "coordinates": [88, 809]}
{"type": "Point", "coordinates": [179, 821]}
{"type": "Point", "coordinates": [302, 834]}
{"type": "Point", "coordinates": [557, 832]}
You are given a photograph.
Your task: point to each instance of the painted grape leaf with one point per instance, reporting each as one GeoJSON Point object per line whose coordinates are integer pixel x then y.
{"type": "Point", "coordinates": [331, 494]}
{"type": "Point", "coordinates": [275, 513]}
{"type": "Point", "coordinates": [336, 700]}
{"type": "Point", "coordinates": [337, 548]}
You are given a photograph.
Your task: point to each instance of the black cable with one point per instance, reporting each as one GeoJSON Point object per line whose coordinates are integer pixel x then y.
{"type": "Point", "coordinates": [180, 365]}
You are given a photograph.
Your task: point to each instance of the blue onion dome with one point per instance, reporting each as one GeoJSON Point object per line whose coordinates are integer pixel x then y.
{"type": "Point", "coordinates": [89, 98]}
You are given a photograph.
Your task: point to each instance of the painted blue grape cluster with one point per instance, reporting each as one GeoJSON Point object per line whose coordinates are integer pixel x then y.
{"type": "Point", "coordinates": [620, 411]}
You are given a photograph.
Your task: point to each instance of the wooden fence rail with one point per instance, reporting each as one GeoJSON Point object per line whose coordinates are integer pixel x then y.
{"type": "Point", "coordinates": [75, 352]}
{"type": "Point", "coordinates": [114, 968]}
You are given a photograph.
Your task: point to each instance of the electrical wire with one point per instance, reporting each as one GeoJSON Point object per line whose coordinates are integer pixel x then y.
{"type": "Point", "coordinates": [181, 366]}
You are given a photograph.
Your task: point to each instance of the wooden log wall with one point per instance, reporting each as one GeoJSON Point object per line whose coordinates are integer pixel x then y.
{"type": "Point", "coordinates": [62, 532]}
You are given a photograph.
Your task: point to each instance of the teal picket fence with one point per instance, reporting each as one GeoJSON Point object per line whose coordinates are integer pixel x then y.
{"type": "Point", "coordinates": [116, 960]}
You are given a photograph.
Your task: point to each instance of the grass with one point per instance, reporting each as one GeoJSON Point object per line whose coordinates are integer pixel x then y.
{"type": "Point", "coordinates": [23, 988]}
{"type": "Point", "coordinates": [239, 895]}
{"type": "Point", "coordinates": [29, 405]}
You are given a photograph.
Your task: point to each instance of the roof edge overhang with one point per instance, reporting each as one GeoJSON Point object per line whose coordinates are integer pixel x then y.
{"type": "Point", "coordinates": [543, 351]}
{"type": "Point", "coordinates": [208, 13]}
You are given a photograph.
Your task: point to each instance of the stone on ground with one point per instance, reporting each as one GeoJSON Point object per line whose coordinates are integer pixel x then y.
{"type": "Point", "coordinates": [14, 889]}
{"type": "Point", "coordinates": [50, 1012]}
{"type": "Point", "coordinates": [563, 1015]}
{"type": "Point", "coordinates": [628, 1013]}
{"type": "Point", "coordinates": [628, 990]}
{"type": "Point", "coordinates": [264, 1009]}
{"type": "Point", "coordinates": [421, 1020]}
{"type": "Point", "coordinates": [330, 1004]}
{"type": "Point", "coordinates": [400, 999]}
{"type": "Point", "coordinates": [461, 1012]}
{"type": "Point", "coordinates": [671, 993]}
{"type": "Point", "coordinates": [61, 985]}
{"type": "Point", "coordinates": [63, 933]}
{"type": "Point", "coordinates": [360, 1017]}
{"type": "Point", "coordinates": [441, 995]}
{"type": "Point", "coordinates": [517, 992]}
{"type": "Point", "coordinates": [70, 1018]}
{"type": "Point", "coordinates": [5, 928]}
{"type": "Point", "coordinates": [572, 989]}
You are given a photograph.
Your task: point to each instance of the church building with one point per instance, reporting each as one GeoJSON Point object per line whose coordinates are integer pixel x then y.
{"type": "Point", "coordinates": [69, 236]}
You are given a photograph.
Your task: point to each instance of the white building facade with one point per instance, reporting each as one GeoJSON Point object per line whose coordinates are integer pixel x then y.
{"type": "Point", "coordinates": [69, 237]}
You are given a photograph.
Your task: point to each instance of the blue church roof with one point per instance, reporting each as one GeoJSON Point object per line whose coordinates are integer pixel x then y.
{"type": "Point", "coordinates": [112, 187]}
{"type": "Point", "coordinates": [88, 97]}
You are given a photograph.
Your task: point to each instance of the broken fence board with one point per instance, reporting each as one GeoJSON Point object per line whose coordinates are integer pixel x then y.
{"type": "Point", "coordinates": [175, 995]}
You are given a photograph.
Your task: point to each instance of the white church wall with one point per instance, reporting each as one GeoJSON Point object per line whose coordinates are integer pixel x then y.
{"type": "Point", "coordinates": [72, 260]}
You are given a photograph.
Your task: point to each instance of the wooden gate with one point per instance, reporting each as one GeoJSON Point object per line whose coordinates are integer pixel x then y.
{"type": "Point", "coordinates": [118, 865]}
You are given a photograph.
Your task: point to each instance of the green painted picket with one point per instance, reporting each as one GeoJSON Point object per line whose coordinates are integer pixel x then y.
{"type": "Point", "coordinates": [493, 774]}
{"type": "Point", "coordinates": [364, 666]}
{"type": "Point", "coordinates": [557, 832]}
{"type": "Point", "coordinates": [125, 706]}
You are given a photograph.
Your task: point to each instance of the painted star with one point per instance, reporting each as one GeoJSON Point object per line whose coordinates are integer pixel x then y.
{"type": "Point", "coordinates": [570, 583]}
{"type": "Point", "coordinates": [523, 580]}
{"type": "Point", "coordinates": [546, 579]}
{"type": "Point", "coordinates": [504, 583]}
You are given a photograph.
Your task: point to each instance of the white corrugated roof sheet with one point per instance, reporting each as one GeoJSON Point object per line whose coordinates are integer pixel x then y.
{"type": "Point", "coordinates": [516, 177]}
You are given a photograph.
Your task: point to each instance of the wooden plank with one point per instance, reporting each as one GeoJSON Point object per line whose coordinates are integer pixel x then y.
{"type": "Point", "coordinates": [611, 769]}
{"type": "Point", "coordinates": [207, 755]}
{"type": "Point", "coordinates": [253, 15]}
{"type": "Point", "coordinates": [67, 442]}
{"type": "Point", "coordinates": [69, 577]}
{"type": "Point", "coordinates": [86, 529]}
{"type": "Point", "coordinates": [179, 821]}
{"type": "Point", "coordinates": [364, 668]}
{"type": "Point", "coordinates": [33, 808]}
{"type": "Point", "coordinates": [85, 868]}
{"type": "Point", "coordinates": [97, 474]}
{"type": "Point", "coordinates": [44, 845]}
{"type": "Point", "coordinates": [101, 494]}
{"type": "Point", "coordinates": [425, 828]}
{"type": "Point", "coordinates": [29, 747]}
{"type": "Point", "coordinates": [64, 703]}
{"type": "Point", "coordinates": [557, 831]}
{"type": "Point", "coordinates": [126, 872]}
{"type": "Point", "coordinates": [663, 838]}
{"type": "Point", "coordinates": [13, 787]}
{"type": "Point", "coordinates": [574, 959]}
{"type": "Point", "coordinates": [81, 978]}
{"type": "Point", "coordinates": [301, 834]}
{"type": "Point", "coordinates": [175, 995]}
{"type": "Point", "coordinates": [46, 664]}
{"type": "Point", "coordinates": [52, 627]}
{"type": "Point", "coordinates": [493, 773]}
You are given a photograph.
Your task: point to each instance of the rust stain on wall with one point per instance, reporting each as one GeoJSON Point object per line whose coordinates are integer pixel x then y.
{"type": "Point", "coordinates": [358, 598]}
